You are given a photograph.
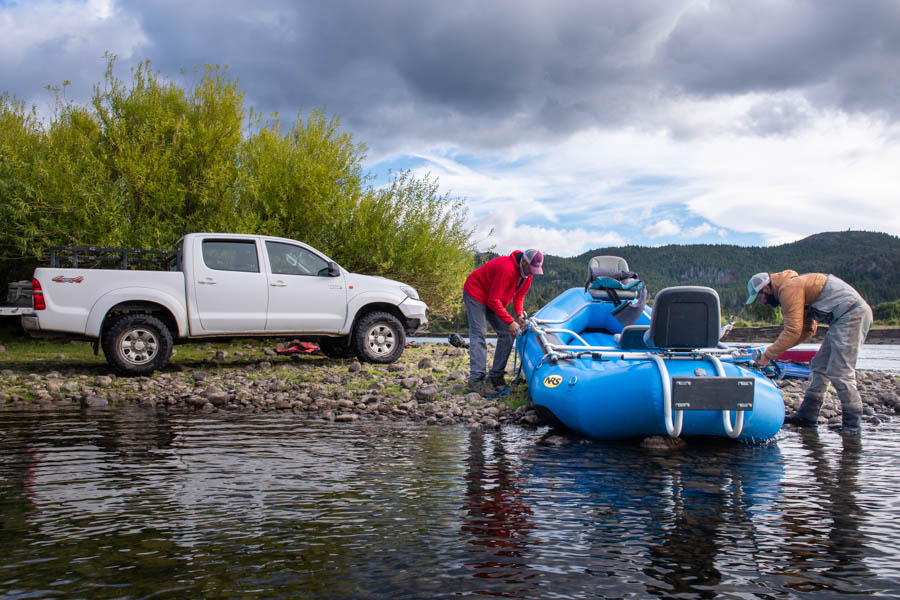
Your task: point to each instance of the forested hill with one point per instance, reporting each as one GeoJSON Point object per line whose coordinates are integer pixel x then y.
{"type": "Point", "coordinates": [869, 261]}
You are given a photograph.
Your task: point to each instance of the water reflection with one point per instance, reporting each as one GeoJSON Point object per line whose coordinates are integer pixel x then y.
{"type": "Point", "coordinates": [825, 542]}
{"type": "Point", "coordinates": [707, 519]}
{"type": "Point", "coordinates": [497, 519]}
{"type": "Point", "coordinates": [131, 503]}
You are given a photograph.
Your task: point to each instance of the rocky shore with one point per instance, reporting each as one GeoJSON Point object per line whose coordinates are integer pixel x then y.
{"type": "Point", "coordinates": [427, 385]}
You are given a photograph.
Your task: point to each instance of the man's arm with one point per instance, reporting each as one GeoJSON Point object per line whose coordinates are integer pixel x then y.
{"type": "Point", "coordinates": [792, 300]}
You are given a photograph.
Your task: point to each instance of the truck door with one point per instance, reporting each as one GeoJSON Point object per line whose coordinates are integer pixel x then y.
{"type": "Point", "coordinates": [303, 297]}
{"type": "Point", "coordinates": [229, 286]}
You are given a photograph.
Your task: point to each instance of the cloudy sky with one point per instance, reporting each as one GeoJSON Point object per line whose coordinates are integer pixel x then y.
{"type": "Point", "coordinates": [565, 124]}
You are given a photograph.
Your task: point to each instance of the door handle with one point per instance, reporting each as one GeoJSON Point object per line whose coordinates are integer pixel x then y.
{"type": "Point", "coordinates": [278, 284]}
{"type": "Point", "coordinates": [207, 282]}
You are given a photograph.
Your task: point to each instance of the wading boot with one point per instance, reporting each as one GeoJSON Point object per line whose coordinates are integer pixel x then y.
{"type": "Point", "coordinates": [480, 386]}
{"type": "Point", "coordinates": [850, 423]}
{"type": "Point", "coordinates": [798, 420]}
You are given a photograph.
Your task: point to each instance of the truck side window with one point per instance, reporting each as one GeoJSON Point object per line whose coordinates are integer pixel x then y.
{"type": "Point", "coordinates": [231, 255]}
{"type": "Point", "coordinates": [288, 259]}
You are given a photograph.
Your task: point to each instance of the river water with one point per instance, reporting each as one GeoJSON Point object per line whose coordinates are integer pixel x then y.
{"type": "Point", "coordinates": [127, 503]}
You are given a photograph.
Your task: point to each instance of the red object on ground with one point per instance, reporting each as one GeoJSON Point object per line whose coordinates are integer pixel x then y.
{"type": "Point", "coordinates": [301, 348]}
{"type": "Point", "coordinates": [798, 356]}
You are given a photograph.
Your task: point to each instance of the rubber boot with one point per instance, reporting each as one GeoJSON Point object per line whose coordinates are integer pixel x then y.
{"type": "Point", "coordinates": [850, 421]}
{"type": "Point", "coordinates": [808, 413]}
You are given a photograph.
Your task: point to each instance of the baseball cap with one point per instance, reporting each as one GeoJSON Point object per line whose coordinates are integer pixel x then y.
{"type": "Point", "coordinates": [756, 283]}
{"type": "Point", "coordinates": [535, 259]}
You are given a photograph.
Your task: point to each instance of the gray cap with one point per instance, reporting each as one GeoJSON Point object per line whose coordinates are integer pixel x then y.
{"type": "Point", "coordinates": [756, 283]}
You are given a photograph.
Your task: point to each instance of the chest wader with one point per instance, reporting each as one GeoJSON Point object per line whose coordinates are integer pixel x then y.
{"type": "Point", "coordinates": [848, 318]}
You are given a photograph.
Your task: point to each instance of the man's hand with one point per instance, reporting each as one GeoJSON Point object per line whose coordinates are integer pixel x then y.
{"type": "Point", "coordinates": [521, 320]}
{"type": "Point", "coordinates": [763, 360]}
{"type": "Point", "coordinates": [514, 328]}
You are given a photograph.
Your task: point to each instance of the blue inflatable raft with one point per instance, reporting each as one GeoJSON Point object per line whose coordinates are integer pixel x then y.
{"type": "Point", "coordinates": [609, 368]}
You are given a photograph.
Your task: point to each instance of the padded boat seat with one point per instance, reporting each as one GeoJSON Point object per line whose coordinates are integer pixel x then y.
{"type": "Point", "coordinates": [632, 337]}
{"type": "Point", "coordinates": [685, 317]}
{"type": "Point", "coordinates": [610, 279]}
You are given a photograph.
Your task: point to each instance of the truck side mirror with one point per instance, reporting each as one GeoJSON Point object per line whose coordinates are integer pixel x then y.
{"type": "Point", "coordinates": [333, 269]}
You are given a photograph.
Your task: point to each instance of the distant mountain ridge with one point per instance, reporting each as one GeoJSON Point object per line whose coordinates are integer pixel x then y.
{"type": "Point", "coordinates": [869, 261]}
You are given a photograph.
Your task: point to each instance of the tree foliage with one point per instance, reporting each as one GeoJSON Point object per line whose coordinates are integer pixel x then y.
{"type": "Point", "coordinates": [149, 160]}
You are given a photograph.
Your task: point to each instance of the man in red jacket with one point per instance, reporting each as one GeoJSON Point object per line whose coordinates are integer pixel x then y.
{"type": "Point", "coordinates": [486, 293]}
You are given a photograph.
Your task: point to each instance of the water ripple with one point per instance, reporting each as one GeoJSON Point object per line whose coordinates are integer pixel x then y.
{"type": "Point", "coordinates": [128, 503]}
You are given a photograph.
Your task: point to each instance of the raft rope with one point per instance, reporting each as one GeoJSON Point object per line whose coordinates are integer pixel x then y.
{"type": "Point", "coordinates": [518, 371]}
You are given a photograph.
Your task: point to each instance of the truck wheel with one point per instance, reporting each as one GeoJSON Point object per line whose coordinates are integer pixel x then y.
{"type": "Point", "coordinates": [338, 347]}
{"type": "Point", "coordinates": [137, 344]}
{"type": "Point", "coordinates": [379, 338]}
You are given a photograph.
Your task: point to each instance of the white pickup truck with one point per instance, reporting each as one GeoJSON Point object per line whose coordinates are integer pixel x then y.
{"type": "Point", "coordinates": [219, 286]}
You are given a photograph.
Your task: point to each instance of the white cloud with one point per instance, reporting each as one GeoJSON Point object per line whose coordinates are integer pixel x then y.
{"type": "Point", "coordinates": [836, 172]}
{"type": "Point", "coordinates": [695, 232]}
{"type": "Point", "coordinates": [509, 235]}
{"type": "Point", "coordinates": [661, 228]}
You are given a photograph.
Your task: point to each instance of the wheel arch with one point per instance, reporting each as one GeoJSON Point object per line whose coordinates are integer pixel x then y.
{"type": "Point", "coordinates": [377, 307]}
{"type": "Point", "coordinates": [131, 300]}
{"type": "Point", "coordinates": [141, 307]}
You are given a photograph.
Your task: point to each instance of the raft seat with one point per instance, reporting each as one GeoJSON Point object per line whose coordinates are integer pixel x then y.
{"type": "Point", "coordinates": [684, 318]}
{"type": "Point", "coordinates": [632, 337]}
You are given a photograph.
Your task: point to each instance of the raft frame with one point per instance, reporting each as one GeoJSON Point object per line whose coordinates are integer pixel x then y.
{"type": "Point", "coordinates": [673, 423]}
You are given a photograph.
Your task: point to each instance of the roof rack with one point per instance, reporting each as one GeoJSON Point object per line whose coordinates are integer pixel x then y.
{"type": "Point", "coordinates": [92, 257]}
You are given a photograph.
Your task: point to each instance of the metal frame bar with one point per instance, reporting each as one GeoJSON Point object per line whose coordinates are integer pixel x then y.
{"type": "Point", "coordinates": [72, 254]}
{"type": "Point", "coordinates": [673, 419]}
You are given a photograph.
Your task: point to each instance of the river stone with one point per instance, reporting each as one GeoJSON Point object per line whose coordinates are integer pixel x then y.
{"type": "Point", "coordinates": [554, 440]}
{"type": "Point", "coordinates": [410, 382]}
{"type": "Point", "coordinates": [355, 367]}
{"type": "Point", "coordinates": [217, 397]}
{"type": "Point", "coordinates": [92, 401]}
{"type": "Point", "coordinates": [531, 418]}
{"type": "Point", "coordinates": [196, 401]}
{"type": "Point", "coordinates": [427, 393]}
{"type": "Point", "coordinates": [199, 375]}
{"type": "Point", "coordinates": [2, 349]}
{"type": "Point", "coordinates": [103, 381]}
{"type": "Point", "coordinates": [395, 368]}
{"type": "Point", "coordinates": [474, 398]}
{"type": "Point", "coordinates": [426, 363]}
{"type": "Point", "coordinates": [346, 418]}
{"type": "Point", "coordinates": [889, 398]}
{"type": "Point", "coordinates": [662, 442]}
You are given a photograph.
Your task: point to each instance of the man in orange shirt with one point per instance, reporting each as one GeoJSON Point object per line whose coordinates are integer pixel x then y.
{"type": "Point", "coordinates": [486, 293]}
{"type": "Point", "coordinates": [806, 300]}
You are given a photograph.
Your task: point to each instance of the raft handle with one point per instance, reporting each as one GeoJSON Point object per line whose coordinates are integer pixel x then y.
{"type": "Point", "coordinates": [673, 427]}
{"type": "Point", "coordinates": [733, 432]}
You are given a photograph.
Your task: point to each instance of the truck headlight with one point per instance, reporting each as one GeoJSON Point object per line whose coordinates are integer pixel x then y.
{"type": "Point", "coordinates": [412, 293]}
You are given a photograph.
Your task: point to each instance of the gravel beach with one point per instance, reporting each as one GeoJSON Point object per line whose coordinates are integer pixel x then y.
{"type": "Point", "coordinates": [426, 385]}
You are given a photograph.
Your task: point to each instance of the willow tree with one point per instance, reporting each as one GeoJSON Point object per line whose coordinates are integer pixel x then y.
{"type": "Point", "coordinates": [149, 160]}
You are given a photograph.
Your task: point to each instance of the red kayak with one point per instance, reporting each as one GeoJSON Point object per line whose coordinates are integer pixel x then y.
{"type": "Point", "coordinates": [798, 356]}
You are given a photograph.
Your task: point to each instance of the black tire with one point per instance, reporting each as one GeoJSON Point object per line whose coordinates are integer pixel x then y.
{"type": "Point", "coordinates": [136, 344]}
{"type": "Point", "coordinates": [379, 337]}
{"type": "Point", "coordinates": [338, 347]}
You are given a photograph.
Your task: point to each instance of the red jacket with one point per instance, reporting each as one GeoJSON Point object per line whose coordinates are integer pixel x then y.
{"type": "Point", "coordinates": [494, 285]}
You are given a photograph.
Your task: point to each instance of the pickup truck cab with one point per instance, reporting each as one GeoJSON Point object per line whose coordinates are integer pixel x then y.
{"type": "Point", "coordinates": [220, 286]}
